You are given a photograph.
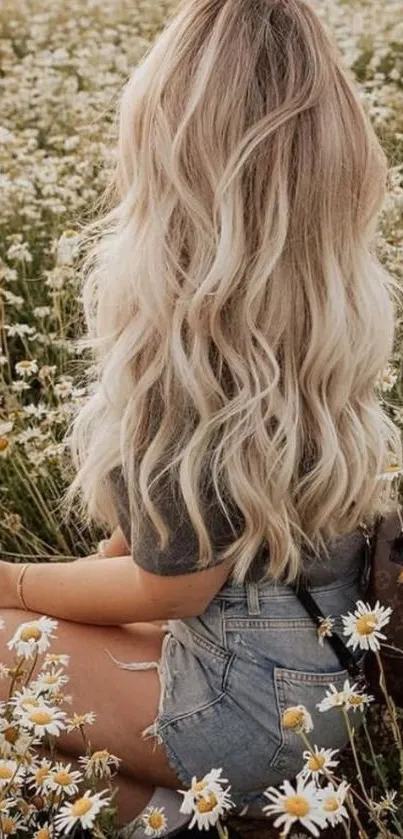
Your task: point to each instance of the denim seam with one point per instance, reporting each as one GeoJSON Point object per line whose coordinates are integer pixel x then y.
{"type": "Point", "coordinates": [192, 713]}
{"type": "Point", "coordinates": [222, 626]}
{"type": "Point", "coordinates": [280, 701]}
{"type": "Point", "coordinates": [271, 623]}
{"type": "Point", "coordinates": [227, 672]}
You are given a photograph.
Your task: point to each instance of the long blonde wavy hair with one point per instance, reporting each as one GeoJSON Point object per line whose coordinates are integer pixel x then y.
{"type": "Point", "coordinates": [238, 316]}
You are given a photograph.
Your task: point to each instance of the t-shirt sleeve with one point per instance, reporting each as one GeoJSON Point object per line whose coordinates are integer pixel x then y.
{"type": "Point", "coordinates": [181, 555]}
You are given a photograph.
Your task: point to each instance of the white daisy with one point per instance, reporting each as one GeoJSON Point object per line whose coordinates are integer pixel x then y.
{"type": "Point", "coordinates": [51, 681]}
{"type": "Point", "coordinates": [63, 779]}
{"type": "Point", "coordinates": [324, 629]}
{"type": "Point", "coordinates": [10, 769]}
{"type": "Point", "coordinates": [212, 782]}
{"type": "Point", "coordinates": [298, 719]}
{"type": "Point", "coordinates": [26, 367]}
{"type": "Point", "coordinates": [78, 720]}
{"type": "Point", "coordinates": [300, 804]}
{"type": "Point", "coordinates": [44, 720]}
{"type": "Point", "coordinates": [39, 773]}
{"type": "Point", "coordinates": [22, 747]}
{"type": "Point", "coordinates": [33, 637]}
{"type": "Point", "coordinates": [25, 699]}
{"type": "Point", "coordinates": [208, 807]}
{"type": "Point", "coordinates": [336, 698]}
{"type": "Point", "coordinates": [11, 825]}
{"type": "Point", "coordinates": [363, 626]}
{"type": "Point", "coordinates": [386, 804]}
{"type": "Point", "coordinates": [332, 799]}
{"type": "Point", "coordinates": [387, 379]}
{"type": "Point", "coordinates": [318, 762]}
{"type": "Point", "coordinates": [83, 811]}
{"type": "Point", "coordinates": [357, 701]}
{"type": "Point", "coordinates": [61, 659]}
{"type": "Point", "coordinates": [101, 764]}
{"type": "Point", "coordinates": [12, 739]}
{"type": "Point", "coordinates": [154, 821]}
{"type": "Point", "coordinates": [44, 832]}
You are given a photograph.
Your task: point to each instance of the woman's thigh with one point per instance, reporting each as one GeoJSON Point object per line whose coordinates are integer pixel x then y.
{"type": "Point", "coordinates": [125, 702]}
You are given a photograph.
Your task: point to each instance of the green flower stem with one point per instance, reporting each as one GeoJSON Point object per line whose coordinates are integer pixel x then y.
{"type": "Point", "coordinates": [355, 756]}
{"type": "Point", "coordinates": [349, 798]}
{"type": "Point", "coordinates": [367, 800]}
{"type": "Point", "coordinates": [378, 769]}
{"type": "Point", "coordinates": [17, 671]}
{"type": "Point", "coordinates": [221, 830]}
{"type": "Point", "coordinates": [391, 708]}
{"type": "Point", "coordinates": [31, 672]}
{"type": "Point", "coordinates": [346, 828]}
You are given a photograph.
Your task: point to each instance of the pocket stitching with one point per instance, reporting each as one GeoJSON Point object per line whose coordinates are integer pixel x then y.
{"type": "Point", "coordinates": [299, 676]}
{"type": "Point", "coordinates": [272, 623]}
{"type": "Point", "coordinates": [209, 646]}
{"type": "Point", "coordinates": [163, 724]}
{"type": "Point", "coordinates": [294, 677]}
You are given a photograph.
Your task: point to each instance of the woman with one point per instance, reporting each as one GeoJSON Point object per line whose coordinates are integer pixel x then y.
{"type": "Point", "coordinates": [239, 321]}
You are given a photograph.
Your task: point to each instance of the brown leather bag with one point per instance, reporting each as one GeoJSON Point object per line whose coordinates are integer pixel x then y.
{"type": "Point", "coordinates": [385, 584]}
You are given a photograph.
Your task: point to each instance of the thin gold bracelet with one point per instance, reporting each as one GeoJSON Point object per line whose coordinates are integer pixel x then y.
{"type": "Point", "coordinates": [19, 587]}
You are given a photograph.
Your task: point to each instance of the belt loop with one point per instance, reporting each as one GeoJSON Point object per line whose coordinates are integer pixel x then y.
{"type": "Point", "coordinates": [252, 598]}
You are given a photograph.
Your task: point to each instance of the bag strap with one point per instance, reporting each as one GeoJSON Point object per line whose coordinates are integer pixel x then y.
{"type": "Point", "coordinates": [340, 649]}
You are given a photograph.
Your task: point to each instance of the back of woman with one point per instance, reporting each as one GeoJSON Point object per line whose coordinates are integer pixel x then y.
{"type": "Point", "coordinates": [240, 320]}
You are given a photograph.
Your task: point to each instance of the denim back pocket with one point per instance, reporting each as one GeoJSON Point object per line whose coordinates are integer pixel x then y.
{"type": "Point", "coordinates": [296, 687]}
{"type": "Point", "coordinates": [195, 672]}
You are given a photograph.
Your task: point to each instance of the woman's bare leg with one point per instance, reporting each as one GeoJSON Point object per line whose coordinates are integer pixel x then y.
{"type": "Point", "coordinates": [125, 702]}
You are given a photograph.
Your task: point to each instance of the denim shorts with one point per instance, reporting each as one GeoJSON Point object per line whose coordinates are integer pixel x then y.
{"type": "Point", "coordinates": [228, 675]}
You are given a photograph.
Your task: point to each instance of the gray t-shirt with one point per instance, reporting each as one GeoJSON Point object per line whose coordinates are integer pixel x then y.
{"type": "Point", "coordinates": [183, 551]}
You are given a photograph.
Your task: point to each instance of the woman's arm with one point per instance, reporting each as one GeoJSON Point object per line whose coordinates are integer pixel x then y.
{"type": "Point", "coordinates": [110, 591]}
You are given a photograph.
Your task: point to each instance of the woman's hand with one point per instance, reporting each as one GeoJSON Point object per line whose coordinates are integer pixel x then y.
{"type": "Point", "coordinates": [116, 545]}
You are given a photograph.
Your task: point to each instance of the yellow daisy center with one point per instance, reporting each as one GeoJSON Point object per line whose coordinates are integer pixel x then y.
{"type": "Point", "coordinates": [198, 786]}
{"type": "Point", "coordinates": [43, 833]}
{"type": "Point", "coordinates": [50, 679]}
{"type": "Point", "coordinates": [11, 734]}
{"type": "Point", "coordinates": [4, 444]}
{"type": "Point", "coordinates": [62, 778]}
{"type": "Point", "coordinates": [81, 807]}
{"type": "Point", "coordinates": [41, 717]}
{"type": "Point", "coordinates": [31, 702]}
{"type": "Point", "coordinates": [316, 762]}
{"type": "Point", "coordinates": [292, 718]}
{"type": "Point", "coordinates": [366, 624]}
{"type": "Point", "coordinates": [331, 805]}
{"type": "Point", "coordinates": [8, 824]}
{"type": "Point", "coordinates": [206, 805]}
{"type": "Point", "coordinates": [41, 774]}
{"type": "Point", "coordinates": [5, 772]}
{"type": "Point", "coordinates": [103, 754]}
{"type": "Point", "coordinates": [296, 805]}
{"type": "Point", "coordinates": [155, 820]}
{"type": "Point", "coordinates": [355, 699]}
{"type": "Point", "coordinates": [31, 633]}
